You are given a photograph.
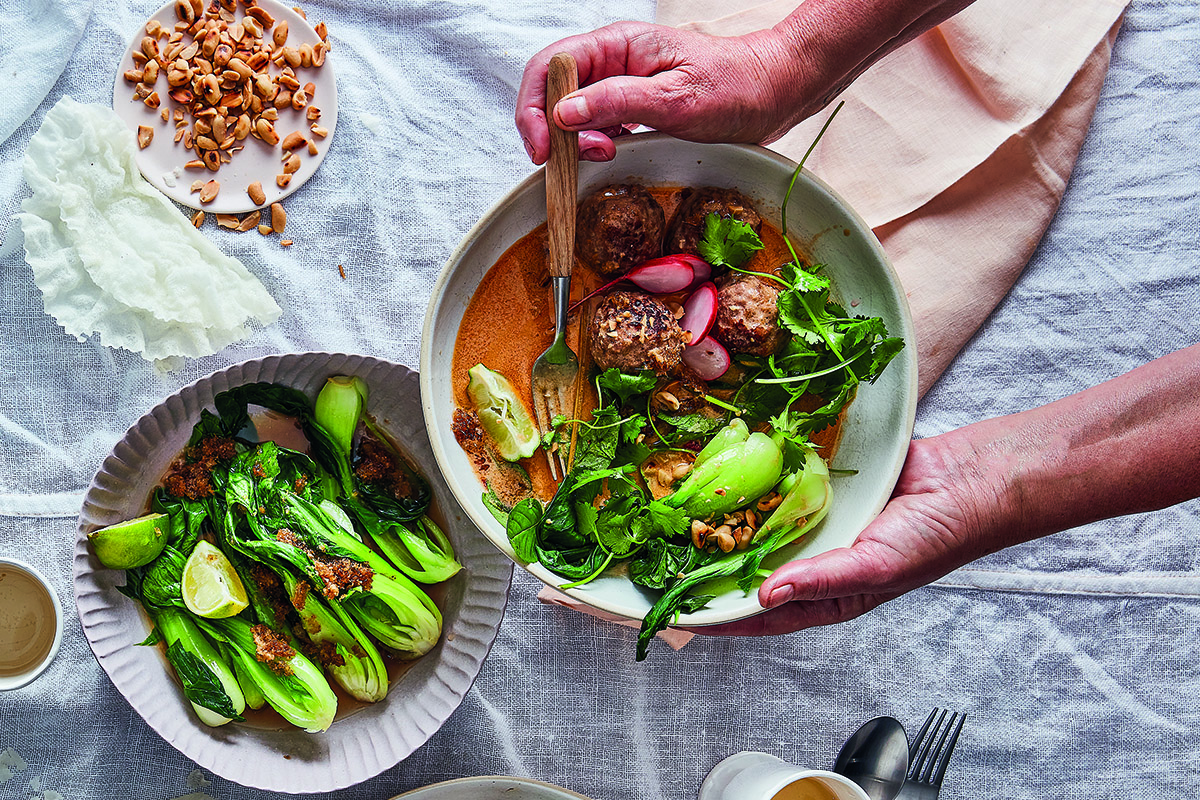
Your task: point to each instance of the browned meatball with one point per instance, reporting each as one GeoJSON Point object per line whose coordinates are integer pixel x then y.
{"type": "Point", "coordinates": [747, 315]}
{"type": "Point", "coordinates": [687, 226]}
{"type": "Point", "coordinates": [633, 331]}
{"type": "Point", "coordinates": [617, 228]}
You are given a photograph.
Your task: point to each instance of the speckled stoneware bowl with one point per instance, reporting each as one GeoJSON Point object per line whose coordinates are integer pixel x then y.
{"type": "Point", "coordinates": [491, 787]}
{"type": "Point", "coordinates": [360, 744]}
{"type": "Point", "coordinates": [878, 425]}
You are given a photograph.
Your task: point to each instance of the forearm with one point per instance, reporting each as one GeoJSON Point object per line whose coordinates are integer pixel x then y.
{"type": "Point", "coordinates": [1129, 445]}
{"type": "Point", "coordinates": [829, 43]}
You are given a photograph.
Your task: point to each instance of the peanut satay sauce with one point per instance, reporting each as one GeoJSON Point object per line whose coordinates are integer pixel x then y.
{"type": "Point", "coordinates": [510, 322]}
{"type": "Point", "coordinates": [285, 431]}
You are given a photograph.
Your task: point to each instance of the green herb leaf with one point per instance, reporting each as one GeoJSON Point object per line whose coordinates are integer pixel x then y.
{"type": "Point", "coordinates": [694, 424]}
{"type": "Point", "coordinates": [625, 385]}
{"type": "Point", "coordinates": [694, 603]}
{"type": "Point", "coordinates": [727, 242]}
{"type": "Point", "coordinates": [660, 563]}
{"type": "Point", "coordinates": [521, 527]}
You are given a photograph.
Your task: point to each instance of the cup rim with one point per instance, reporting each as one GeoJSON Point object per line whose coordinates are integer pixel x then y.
{"type": "Point", "coordinates": [26, 678]}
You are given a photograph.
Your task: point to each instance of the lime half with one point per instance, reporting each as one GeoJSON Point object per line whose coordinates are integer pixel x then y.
{"type": "Point", "coordinates": [211, 587]}
{"type": "Point", "coordinates": [130, 544]}
{"type": "Point", "coordinates": [502, 413]}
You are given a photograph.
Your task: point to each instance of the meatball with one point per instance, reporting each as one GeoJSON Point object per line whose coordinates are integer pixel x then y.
{"type": "Point", "coordinates": [747, 315]}
{"type": "Point", "coordinates": [617, 228]}
{"type": "Point", "coordinates": [687, 226]}
{"type": "Point", "coordinates": [633, 331]}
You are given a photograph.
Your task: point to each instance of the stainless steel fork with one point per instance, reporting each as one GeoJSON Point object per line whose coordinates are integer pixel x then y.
{"type": "Point", "coordinates": [931, 753]}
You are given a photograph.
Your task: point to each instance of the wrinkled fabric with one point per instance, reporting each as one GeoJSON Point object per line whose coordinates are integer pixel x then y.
{"type": "Point", "coordinates": [1075, 656]}
{"type": "Point", "coordinates": [37, 39]}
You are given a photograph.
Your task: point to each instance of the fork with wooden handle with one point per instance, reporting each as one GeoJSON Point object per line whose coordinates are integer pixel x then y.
{"type": "Point", "coordinates": [555, 370]}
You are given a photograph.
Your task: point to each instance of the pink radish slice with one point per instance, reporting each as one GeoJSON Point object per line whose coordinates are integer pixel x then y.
{"type": "Point", "coordinates": [700, 311]}
{"type": "Point", "coordinates": [708, 358]}
{"type": "Point", "coordinates": [664, 275]}
{"type": "Point", "coordinates": [657, 276]}
{"type": "Point", "coordinates": [701, 267]}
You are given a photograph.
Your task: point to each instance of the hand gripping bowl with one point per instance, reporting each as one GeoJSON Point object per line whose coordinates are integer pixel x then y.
{"type": "Point", "coordinates": [879, 422]}
{"type": "Point", "coordinates": [361, 743]}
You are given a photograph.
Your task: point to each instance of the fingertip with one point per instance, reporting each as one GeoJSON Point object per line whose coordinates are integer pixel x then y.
{"type": "Point", "coordinates": [595, 146]}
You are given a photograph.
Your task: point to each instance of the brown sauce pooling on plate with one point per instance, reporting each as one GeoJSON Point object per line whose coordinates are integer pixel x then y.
{"type": "Point", "coordinates": [509, 323]}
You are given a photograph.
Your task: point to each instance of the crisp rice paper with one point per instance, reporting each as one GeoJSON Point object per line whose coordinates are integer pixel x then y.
{"type": "Point", "coordinates": [115, 258]}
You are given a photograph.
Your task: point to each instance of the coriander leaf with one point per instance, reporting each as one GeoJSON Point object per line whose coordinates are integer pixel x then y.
{"type": "Point", "coordinates": [694, 424]}
{"type": "Point", "coordinates": [668, 521]}
{"type": "Point", "coordinates": [615, 530]}
{"type": "Point", "coordinates": [521, 527]}
{"type": "Point", "coordinates": [596, 442]}
{"type": "Point", "coordinates": [575, 563]}
{"type": "Point", "coordinates": [625, 385]}
{"type": "Point", "coordinates": [884, 352]}
{"type": "Point", "coordinates": [727, 242]}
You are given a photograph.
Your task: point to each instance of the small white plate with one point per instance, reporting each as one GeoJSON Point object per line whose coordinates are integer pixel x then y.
{"type": "Point", "coordinates": [162, 161]}
{"type": "Point", "coordinates": [491, 787]}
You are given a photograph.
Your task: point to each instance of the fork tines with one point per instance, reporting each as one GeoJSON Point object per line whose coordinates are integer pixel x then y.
{"type": "Point", "coordinates": [934, 745]}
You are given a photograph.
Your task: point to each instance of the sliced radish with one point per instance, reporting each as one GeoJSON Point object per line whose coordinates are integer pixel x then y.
{"type": "Point", "coordinates": [700, 311]}
{"type": "Point", "coordinates": [657, 276]}
{"type": "Point", "coordinates": [708, 358]}
{"type": "Point", "coordinates": [702, 268]}
{"type": "Point", "coordinates": [664, 275]}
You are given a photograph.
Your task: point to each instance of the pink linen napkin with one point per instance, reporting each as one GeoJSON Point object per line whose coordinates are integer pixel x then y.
{"type": "Point", "coordinates": [955, 148]}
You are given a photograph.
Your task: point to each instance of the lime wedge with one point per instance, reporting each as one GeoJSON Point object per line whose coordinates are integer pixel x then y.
{"type": "Point", "coordinates": [502, 413]}
{"type": "Point", "coordinates": [211, 587]}
{"type": "Point", "coordinates": [132, 543]}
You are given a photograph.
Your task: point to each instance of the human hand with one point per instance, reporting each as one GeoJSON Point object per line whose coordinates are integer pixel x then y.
{"type": "Point", "coordinates": [939, 518]}
{"type": "Point", "coordinates": [691, 85]}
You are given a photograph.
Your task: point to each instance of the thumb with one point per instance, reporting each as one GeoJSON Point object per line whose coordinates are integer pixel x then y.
{"type": "Point", "coordinates": [842, 572]}
{"type": "Point", "coordinates": [617, 100]}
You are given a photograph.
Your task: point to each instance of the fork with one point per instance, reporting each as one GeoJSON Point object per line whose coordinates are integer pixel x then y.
{"type": "Point", "coordinates": [555, 370]}
{"type": "Point", "coordinates": [931, 753]}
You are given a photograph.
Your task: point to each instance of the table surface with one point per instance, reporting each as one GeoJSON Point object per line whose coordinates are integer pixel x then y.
{"type": "Point", "coordinates": [1076, 656]}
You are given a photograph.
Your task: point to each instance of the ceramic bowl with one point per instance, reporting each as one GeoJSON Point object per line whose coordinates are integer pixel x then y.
{"type": "Point", "coordinates": [879, 422]}
{"type": "Point", "coordinates": [491, 787]}
{"type": "Point", "coordinates": [361, 744]}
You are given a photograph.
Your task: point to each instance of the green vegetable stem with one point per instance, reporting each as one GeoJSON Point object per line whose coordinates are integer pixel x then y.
{"type": "Point", "coordinates": [207, 680]}
{"type": "Point", "coordinates": [302, 696]}
{"type": "Point", "coordinates": [736, 473]}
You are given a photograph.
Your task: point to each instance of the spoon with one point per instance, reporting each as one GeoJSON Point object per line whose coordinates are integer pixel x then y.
{"type": "Point", "coordinates": [876, 758]}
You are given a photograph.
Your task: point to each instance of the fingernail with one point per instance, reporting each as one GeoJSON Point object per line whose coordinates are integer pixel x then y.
{"type": "Point", "coordinates": [780, 595]}
{"type": "Point", "coordinates": [594, 154]}
{"type": "Point", "coordinates": [528, 147]}
{"type": "Point", "coordinates": [573, 110]}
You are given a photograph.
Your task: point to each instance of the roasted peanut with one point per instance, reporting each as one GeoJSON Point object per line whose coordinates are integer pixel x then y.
{"type": "Point", "coordinates": [145, 135]}
{"type": "Point", "coordinates": [256, 193]}
{"type": "Point", "coordinates": [278, 218]}
{"type": "Point", "coordinates": [250, 221]}
{"type": "Point", "coordinates": [209, 192]}
{"type": "Point", "coordinates": [293, 141]}
{"type": "Point", "coordinates": [292, 165]}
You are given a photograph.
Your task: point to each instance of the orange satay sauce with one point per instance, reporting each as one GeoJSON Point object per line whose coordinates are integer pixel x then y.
{"type": "Point", "coordinates": [510, 322]}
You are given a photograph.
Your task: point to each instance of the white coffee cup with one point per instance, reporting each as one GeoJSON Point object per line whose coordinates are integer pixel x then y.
{"type": "Point", "coordinates": [31, 623]}
{"type": "Point", "coordinates": [760, 776]}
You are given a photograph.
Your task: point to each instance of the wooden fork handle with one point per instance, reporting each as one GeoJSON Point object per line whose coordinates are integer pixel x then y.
{"type": "Point", "coordinates": [562, 169]}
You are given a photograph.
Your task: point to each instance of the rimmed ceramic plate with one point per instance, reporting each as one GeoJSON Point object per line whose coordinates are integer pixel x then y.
{"type": "Point", "coordinates": [162, 162]}
{"type": "Point", "coordinates": [878, 424]}
{"type": "Point", "coordinates": [361, 744]}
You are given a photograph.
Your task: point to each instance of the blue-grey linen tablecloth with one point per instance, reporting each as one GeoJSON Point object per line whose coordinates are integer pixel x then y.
{"type": "Point", "coordinates": [1076, 656]}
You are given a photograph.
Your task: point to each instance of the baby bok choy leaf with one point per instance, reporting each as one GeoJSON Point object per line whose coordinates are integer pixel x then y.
{"type": "Point", "coordinates": [291, 684]}
{"type": "Point", "coordinates": [414, 544]}
{"type": "Point", "coordinates": [355, 662]}
{"type": "Point", "coordinates": [207, 680]}
{"type": "Point", "coordinates": [806, 496]}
